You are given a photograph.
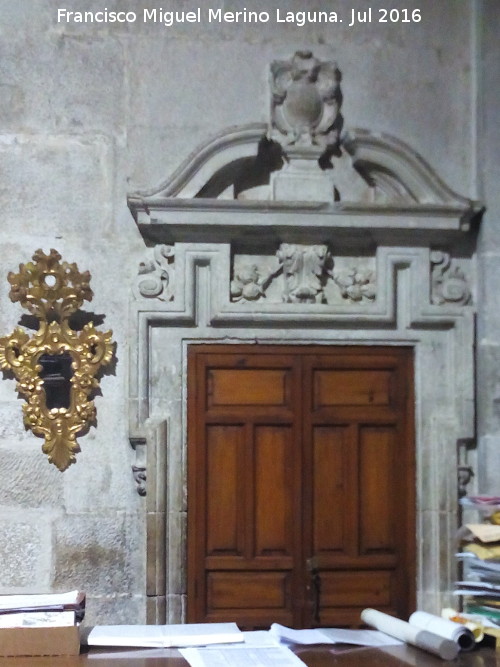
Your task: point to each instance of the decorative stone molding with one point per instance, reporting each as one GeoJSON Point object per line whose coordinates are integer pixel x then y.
{"type": "Point", "coordinates": [139, 473]}
{"type": "Point", "coordinates": [465, 471]}
{"type": "Point", "coordinates": [304, 271]}
{"type": "Point", "coordinates": [257, 277]}
{"type": "Point", "coordinates": [247, 284]}
{"type": "Point", "coordinates": [416, 201]}
{"type": "Point", "coordinates": [448, 284]}
{"type": "Point", "coordinates": [139, 468]}
{"type": "Point", "coordinates": [155, 274]}
{"type": "Point", "coordinates": [290, 159]}
{"type": "Point", "coordinates": [356, 285]}
{"type": "Point", "coordinates": [250, 282]}
{"type": "Point", "coordinates": [306, 100]}
{"type": "Point", "coordinates": [465, 475]}
{"type": "Point", "coordinates": [442, 337]}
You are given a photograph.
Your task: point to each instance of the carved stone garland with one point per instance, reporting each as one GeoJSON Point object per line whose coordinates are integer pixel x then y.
{"type": "Point", "coordinates": [306, 270]}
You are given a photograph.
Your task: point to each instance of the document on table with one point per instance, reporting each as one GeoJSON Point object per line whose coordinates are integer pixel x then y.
{"type": "Point", "coordinates": [156, 636]}
{"type": "Point", "coordinates": [72, 600]}
{"type": "Point", "coordinates": [332, 636]}
{"type": "Point", "coordinates": [259, 638]}
{"type": "Point", "coordinates": [40, 619]}
{"type": "Point", "coordinates": [236, 656]}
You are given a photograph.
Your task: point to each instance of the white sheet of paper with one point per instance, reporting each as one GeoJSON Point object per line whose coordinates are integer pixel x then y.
{"type": "Point", "coordinates": [38, 619]}
{"type": "Point", "coordinates": [126, 635]}
{"type": "Point", "coordinates": [232, 656]}
{"type": "Point", "coordinates": [260, 638]}
{"type": "Point", "coordinates": [51, 599]}
{"type": "Point", "coordinates": [360, 637]}
{"type": "Point", "coordinates": [305, 637]}
{"type": "Point", "coordinates": [136, 653]}
{"type": "Point", "coordinates": [333, 636]}
{"type": "Point", "coordinates": [189, 634]}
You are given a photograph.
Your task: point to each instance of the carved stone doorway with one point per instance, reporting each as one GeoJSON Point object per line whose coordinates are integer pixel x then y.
{"type": "Point", "coordinates": [255, 240]}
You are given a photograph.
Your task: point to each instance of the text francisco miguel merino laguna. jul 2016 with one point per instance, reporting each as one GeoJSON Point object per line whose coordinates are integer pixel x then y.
{"type": "Point", "coordinates": [217, 15]}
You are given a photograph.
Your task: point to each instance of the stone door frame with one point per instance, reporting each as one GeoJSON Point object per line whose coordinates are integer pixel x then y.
{"type": "Point", "coordinates": [417, 246]}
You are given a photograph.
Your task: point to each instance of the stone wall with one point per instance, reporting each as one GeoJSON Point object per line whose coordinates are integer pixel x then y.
{"type": "Point", "coordinates": [488, 174]}
{"type": "Point", "coordinates": [89, 112]}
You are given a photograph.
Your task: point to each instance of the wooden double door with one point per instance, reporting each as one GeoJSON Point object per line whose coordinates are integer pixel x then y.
{"type": "Point", "coordinates": [301, 501]}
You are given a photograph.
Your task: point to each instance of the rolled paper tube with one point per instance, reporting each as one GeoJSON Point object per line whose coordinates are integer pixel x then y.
{"type": "Point", "coordinates": [458, 633]}
{"type": "Point", "coordinates": [475, 627]}
{"type": "Point", "coordinates": [470, 621]}
{"type": "Point", "coordinates": [395, 627]}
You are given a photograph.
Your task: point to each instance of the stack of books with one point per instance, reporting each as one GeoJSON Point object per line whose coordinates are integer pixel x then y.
{"type": "Point", "coordinates": [480, 557]}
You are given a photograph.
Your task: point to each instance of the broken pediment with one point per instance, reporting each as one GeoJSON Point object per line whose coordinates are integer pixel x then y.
{"type": "Point", "coordinates": [303, 162]}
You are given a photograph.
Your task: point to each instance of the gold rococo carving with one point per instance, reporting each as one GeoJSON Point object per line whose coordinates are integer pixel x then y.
{"type": "Point", "coordinates": [53, 291]}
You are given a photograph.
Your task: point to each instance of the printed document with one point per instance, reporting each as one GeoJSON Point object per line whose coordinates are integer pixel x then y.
{"type": "Point", "coordinates": [332, 636]}
{"type": "Point", "coordinates": [49, 602]}
{"type": "Point", "coordinates": [236, 656]}
{"type": "Point", "coordinates": [156, 636]}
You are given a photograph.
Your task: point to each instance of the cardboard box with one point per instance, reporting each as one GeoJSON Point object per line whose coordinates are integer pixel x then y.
{"type": "Point", "coordinates": [40, 641]}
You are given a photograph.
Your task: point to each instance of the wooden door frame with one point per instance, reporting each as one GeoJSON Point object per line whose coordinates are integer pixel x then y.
{"type": "Point", "coordinates": [404, 353]}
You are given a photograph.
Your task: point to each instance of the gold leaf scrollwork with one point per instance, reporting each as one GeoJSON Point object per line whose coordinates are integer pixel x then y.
{"type": "Point", "coordinates": [52, 291]}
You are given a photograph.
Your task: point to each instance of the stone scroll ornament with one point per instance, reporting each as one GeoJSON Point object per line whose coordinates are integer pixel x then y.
{"type": "Point", "coordinates": [55, 367]}
{"type": "Point", "coordinates": [448, 285]}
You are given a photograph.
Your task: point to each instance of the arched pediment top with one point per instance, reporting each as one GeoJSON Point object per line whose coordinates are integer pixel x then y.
{"type": "Point", "coordinates": [392, 170]}
{"type": "Point", "coordinates": [302, 174]}
{"type": "Point", "coordinates": [393, 164]}
{"type": "Point", "coordinates": [217, 153]}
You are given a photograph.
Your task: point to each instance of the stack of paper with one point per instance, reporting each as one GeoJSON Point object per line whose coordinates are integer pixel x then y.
{"type": "Point", "coordinates": [166, 636]}
{"type": "Point", "coordinates": [480, 555]}
{"type": "Point", "coordinates": [51, 610]}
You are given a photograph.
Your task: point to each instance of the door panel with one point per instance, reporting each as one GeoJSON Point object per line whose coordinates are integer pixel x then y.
{"type": "Point", "coordinates": [351, 387]}
{"type": "Point", "coordinates": [247, 387]}
{"type": "Point", "coordinates": [248, 590]}
{"type": "Point", "coordinates": [377, 506]}
{"type": "Point", "coordinates": [273, 488]}
{"type": "Point", "coordinates": [330, 470]}
{"type": "Point", "coordinates": [299, 458]}
{"type": "Point", "coordinates": [346, 588]}
{"type": "Point", "coordinates": [224, 451]}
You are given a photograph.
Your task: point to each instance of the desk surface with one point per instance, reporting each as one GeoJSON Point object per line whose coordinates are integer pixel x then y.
{"type": "Point", "coordinates": [339, 656]}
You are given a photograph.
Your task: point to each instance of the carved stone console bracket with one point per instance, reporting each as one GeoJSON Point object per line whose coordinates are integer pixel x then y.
{"type": "Point", "coordinates": [139, 468]}
{"type": "Point", "coordinates": [465, 471]}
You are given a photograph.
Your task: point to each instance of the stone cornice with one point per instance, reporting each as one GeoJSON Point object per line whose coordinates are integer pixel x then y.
{"type": "Point", "coordinates": [418, 202]}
